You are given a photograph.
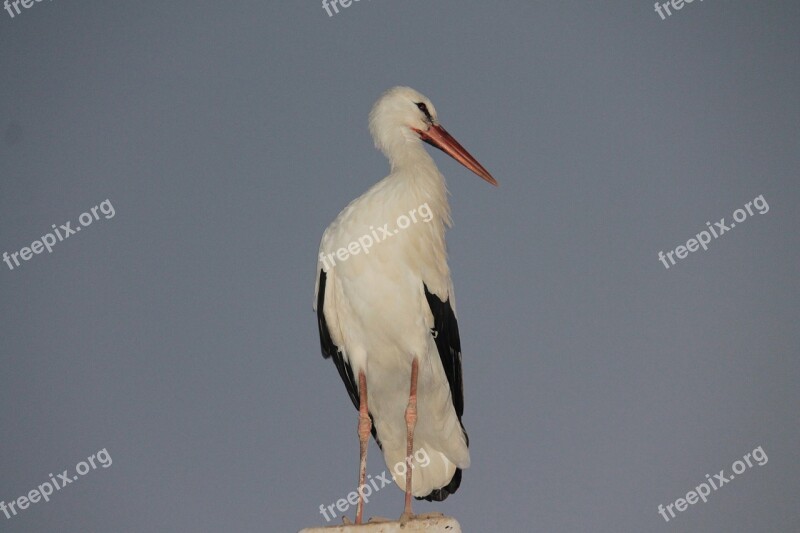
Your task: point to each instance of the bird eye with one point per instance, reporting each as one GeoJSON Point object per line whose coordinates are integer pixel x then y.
{"type": "Point", "coordinates": [422, 107]}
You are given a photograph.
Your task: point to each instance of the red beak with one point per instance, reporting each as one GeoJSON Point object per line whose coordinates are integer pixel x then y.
{"type": "Point", "coordinates": [437, 136]}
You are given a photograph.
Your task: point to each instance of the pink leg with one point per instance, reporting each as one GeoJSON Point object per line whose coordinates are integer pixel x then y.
{"type": "Point", "coordinates": [364, 427]}
{"type": "Point", "coordinates": [411, 422]}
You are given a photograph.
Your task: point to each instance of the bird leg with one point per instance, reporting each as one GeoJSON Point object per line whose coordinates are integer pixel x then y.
{"type": "Point", "coordinates": [364, 427]}
{"type": "Point", "coordinates": [411, 422]}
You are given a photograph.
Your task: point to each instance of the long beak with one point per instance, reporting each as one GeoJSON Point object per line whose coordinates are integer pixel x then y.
{"type": "Point", "coordinates": [437, 136]}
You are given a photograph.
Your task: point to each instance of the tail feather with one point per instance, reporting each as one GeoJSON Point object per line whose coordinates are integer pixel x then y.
{"type": "Point", "coordinates": [434, 475]}
{"type": "Point", "coordinates": [438, 495]}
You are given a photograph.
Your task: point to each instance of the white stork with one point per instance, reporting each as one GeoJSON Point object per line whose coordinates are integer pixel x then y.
{"type": "Point", "coordinates": [387, 313]}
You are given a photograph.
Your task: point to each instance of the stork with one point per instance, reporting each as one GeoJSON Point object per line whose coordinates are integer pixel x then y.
{"type": "Point", "coordinates": [386, 313]}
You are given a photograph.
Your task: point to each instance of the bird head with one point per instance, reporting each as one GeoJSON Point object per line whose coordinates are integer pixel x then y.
{"type": "Point", "coordinates": [402, 116]}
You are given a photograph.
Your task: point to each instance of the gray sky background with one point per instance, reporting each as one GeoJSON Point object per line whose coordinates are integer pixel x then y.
{"type": "Point", "coordinates": [179, 335]}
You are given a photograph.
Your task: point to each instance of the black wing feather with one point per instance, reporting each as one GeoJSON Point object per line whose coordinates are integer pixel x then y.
{"type": "Point", "coordinates": [330, 350]}
{"type": "Point", "coordinates": [448, 344]}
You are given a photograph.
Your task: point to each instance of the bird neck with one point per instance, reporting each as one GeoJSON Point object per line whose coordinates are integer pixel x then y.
{"type": "Point", "coordinates": [413, 168]}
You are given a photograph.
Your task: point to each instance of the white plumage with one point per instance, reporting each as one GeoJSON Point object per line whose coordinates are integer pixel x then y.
{"type": "Point", "coordinates": [377, 311]}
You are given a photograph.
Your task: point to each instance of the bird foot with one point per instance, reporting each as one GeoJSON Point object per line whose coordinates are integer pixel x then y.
{"type": "Point", "coordinates": [378, 520]}
{"type": "Point", "coordinates": [426, 516]}
{"type": "Point", "coordinates": [405, 518]}
{"type": "Point", "coordinates": [346, 521]}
